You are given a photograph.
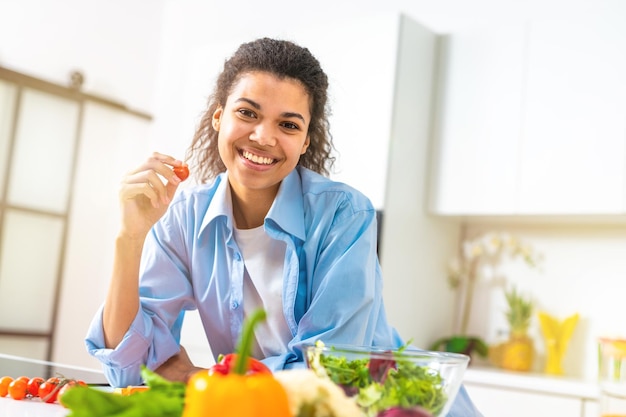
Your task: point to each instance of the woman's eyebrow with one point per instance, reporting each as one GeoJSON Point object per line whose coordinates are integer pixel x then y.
{"type": "Point", "coordinates": [250, 102]}
{"type": "Point", "coordinates": [258, 107]}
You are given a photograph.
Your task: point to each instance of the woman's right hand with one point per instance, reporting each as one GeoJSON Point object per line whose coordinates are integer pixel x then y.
{"type": "Point", "coordinates": [146, 192]}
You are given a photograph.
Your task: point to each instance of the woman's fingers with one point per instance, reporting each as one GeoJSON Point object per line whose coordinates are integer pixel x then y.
{"type": "Point", "coordinates": [155, 173]}
{"type": "Point", "coordinates": [166, 166]}
{"type": "Point", "coordinates": [131, 191]}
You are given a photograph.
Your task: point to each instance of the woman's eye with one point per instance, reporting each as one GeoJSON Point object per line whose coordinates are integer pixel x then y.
{"type": "Point", "coordinates": [246, 113]}
{"type": "Point", "coordinates": [290, 126]}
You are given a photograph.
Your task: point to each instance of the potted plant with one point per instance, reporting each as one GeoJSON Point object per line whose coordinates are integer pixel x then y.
{"type": "Point", "coordinates": [517, 353]}
{"type": "Point", "coordinates": [465, 272]}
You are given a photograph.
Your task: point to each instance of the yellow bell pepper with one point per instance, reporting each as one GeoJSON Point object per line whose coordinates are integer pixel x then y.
{"type": "Point", "coordinates": [233, 395]}
{"type": "Point", "coordinates": [238, 393]}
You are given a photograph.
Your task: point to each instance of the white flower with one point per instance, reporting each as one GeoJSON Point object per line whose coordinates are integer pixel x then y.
{"type": "Point", "coordinates": [310, 394]}
{"type": "Point", "coordinates": [492, 246]}
{"type": "Point", "coordinates": [478, 260]}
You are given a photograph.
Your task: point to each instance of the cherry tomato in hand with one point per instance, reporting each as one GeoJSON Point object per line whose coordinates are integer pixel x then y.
{"type": "Point", "coordinates": [4, 385]}
{"type": "Point", "coordinates": [182, 172]}
{"type": "Point", "coordinates": [18, 389]}
{"type": "Point", "coordinates": [33, 385]}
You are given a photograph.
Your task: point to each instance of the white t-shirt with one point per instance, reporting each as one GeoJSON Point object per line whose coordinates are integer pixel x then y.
{"type": "Point", "coordinates": [264, 260]}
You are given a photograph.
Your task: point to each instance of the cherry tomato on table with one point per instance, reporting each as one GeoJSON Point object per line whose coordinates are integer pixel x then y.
{"type": "Point", "coordinates": [48, 391]}
{"type": "Point", "coordinates": [68, 386]}
{"type": "Point", "coordinates": [18, 389]}
{"type": "Point", "coordinates": [33, 385]}
{"type": "Point", "coordinates": [54, 380]}
{"type": "Point", "coordinates": [4, 385]}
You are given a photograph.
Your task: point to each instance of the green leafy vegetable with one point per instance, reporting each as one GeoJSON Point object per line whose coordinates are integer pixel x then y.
{"type": "Point", "coordinates": [163, 399]}
{"type": "Point", "coordinates": [404, 385]}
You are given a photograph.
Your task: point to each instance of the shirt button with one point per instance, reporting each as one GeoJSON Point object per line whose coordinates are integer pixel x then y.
{"type": "Point", "coordinates": [234, 305]}
{"type": "Point", "coordinates": [238, 256]}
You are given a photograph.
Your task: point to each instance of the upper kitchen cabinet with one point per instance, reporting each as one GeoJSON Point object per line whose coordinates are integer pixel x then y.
{"type": "Point", "coordinates": [532, 120]}
{"type": "Point", "coordinates": [478, 121]}
{"type": "Point", "coordinates": [572, 158]}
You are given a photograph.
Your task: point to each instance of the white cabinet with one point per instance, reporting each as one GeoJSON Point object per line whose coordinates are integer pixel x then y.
{"type": "Point", "coordinates": [497, 402]}
{"type": "Point", "coordinates": [532, 119]}
{"type": "Point", "coordinates": [498, 393]}
{"type": "Point", "coordinates": [572, 159]}
{"type": "Point", "coordinates": [477, 133]}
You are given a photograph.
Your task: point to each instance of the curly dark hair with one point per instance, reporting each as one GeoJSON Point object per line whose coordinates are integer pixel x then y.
{"type": "Point", "coordinates": [281, 58]}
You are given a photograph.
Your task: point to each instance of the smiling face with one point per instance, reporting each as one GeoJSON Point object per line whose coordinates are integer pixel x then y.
{"type": "Point", "coordinates": [262, 132]}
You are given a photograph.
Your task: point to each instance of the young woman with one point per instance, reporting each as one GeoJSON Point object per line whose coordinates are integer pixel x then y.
{"type": "Point", "coordinates": [265, 228]}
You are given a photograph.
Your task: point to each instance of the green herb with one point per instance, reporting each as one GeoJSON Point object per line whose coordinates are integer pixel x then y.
{"type": "Point", "coordinates": [404, 385]}
{"type": "Point", "coordinates": [163, 399]}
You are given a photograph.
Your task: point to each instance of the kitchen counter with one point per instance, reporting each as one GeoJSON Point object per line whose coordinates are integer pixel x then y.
{"type": "Point", "coordinates": [477, 380]}
{"type": "Point", "coordinates": [30, 408]}
{"type": "Point", "coordinates": [533, 382]}
{"type": "Point", "coordinates": [16, 366]}
{"type": "Point", "coordinates": [498, 392]}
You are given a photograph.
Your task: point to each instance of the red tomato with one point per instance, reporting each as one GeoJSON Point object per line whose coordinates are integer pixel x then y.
{"type": "Point", "coordinates": [227, 364]}
{"type": "Point", "coordinates": [4, 385]}
{"type": "Point", "coordinates": [33, 385]}
{"type": "Point", "coordinates": [53, 380]}
{"type": "Point", "coordinates": [48, 391]}
{"type": "Point", "coordinates": [17, 389]}
{"type": "Point", "coordinates": [182, 172]}
{"type": "Point", "coordinates": [69, 385]}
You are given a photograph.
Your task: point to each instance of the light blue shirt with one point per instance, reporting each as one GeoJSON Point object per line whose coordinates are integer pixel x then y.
{"type": "Point", "coordinates": [332, 282]}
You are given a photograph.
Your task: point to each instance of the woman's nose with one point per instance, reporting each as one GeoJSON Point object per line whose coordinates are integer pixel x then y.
{"type": "Point", "coordinates": [263, 134]}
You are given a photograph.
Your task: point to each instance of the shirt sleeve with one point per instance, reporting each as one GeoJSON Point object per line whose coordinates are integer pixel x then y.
{"type": "Point", "coordinates": [165, 293]}
{"type": "Point", "coordinates": [122, 365]}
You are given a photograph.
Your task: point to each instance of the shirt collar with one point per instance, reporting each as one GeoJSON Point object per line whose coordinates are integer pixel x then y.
{"type": "Point", "coordinates": [221, 204]}
{"type": "Point", "coordinates": [287, 211]}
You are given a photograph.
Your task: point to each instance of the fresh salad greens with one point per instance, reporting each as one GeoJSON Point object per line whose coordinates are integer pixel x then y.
{"type": "Point", "coordinates": [163, 399]}
{"type": "Point", "coordinates": [383, 383]}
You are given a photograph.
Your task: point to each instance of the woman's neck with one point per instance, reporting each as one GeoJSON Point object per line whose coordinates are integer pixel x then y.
{"type": "Point", "coordinates": [250, 208]}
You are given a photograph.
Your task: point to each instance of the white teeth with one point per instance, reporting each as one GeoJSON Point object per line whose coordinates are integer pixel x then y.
{"type": "Point", "coordinates": [257, 159]}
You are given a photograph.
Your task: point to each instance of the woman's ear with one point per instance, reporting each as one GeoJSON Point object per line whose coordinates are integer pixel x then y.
{"type": "Point", "coordinates": [217, 117]}
{"type": "Point", "coordinates": [305, 145]}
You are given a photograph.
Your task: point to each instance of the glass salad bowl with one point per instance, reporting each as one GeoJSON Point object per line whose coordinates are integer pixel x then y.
{"type": "Point", "coordinates": [391, 382]}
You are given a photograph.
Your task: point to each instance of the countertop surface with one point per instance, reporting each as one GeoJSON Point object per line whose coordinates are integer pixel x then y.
{"type": "Point", "coordinates": [30, 408]}
{"type": "Point", "coordinates": [534, 382]}
{"type": "Point", "coordinates": [476, 375]}
{"type": "Point", "coordinates": [15, 366]}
